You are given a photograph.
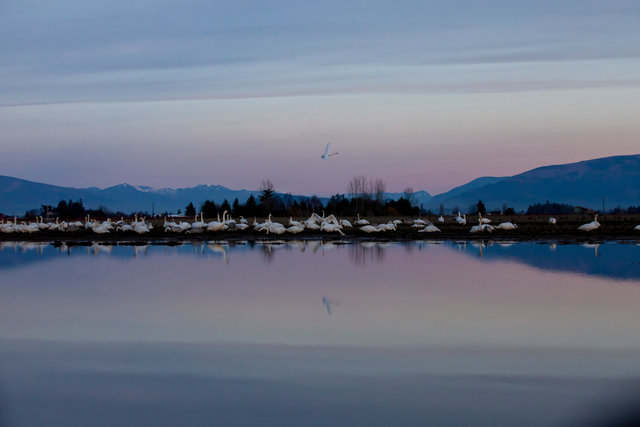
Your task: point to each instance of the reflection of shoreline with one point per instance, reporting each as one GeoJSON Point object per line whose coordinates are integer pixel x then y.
{"type": "Point", "coordinates": [364, 252]}
{"type": "Point", "coordinates": [614, 259]}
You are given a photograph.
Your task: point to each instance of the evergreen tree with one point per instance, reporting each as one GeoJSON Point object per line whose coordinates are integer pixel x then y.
{"type": "Point", "coordinates": [481, 209]}
{"type": "Point", "coordinates": [225, 207]}
{"type": "Point", "coordinates": [209, 209]}
{"type": "Point", "coordinates": [251, 207]}
{"type": "Point", "coordinates": [235, 208]}
{"type": "Point", "coordinates": [190, 210]}
{"type": "Point", "coordinates": [267, 192]}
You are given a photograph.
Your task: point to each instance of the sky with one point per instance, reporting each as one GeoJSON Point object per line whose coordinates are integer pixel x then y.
{"type": "Point", "coordinates": [423, 94]}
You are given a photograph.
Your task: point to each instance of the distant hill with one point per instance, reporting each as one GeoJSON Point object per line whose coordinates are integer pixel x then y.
{"type": "Point", "coordinates": [471, 185]}
{"type": "Point", "coordinates": [585, 183]}
{"type": "Point", "coordinates": [18, 196]}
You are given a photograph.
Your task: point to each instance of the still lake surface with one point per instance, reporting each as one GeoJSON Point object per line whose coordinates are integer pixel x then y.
{"type": "Point", "coordinates": [312, 333]}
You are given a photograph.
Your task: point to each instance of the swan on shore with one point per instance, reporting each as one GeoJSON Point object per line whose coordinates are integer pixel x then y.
{"type": "Point", "coordinates": [295, 229]}
{"type": "Point", "coordinates": [361, 221]}
{"type": "Point", "coordinates": [429, 229]}
{"type": "Point", "coordinates": [552, 221]}
{"type": "Point", "coordinates": [369, 229]}
{"type": "Point", "coordinates": [590, 226]}
{"type": "Point", "coordinates": [506, 226]}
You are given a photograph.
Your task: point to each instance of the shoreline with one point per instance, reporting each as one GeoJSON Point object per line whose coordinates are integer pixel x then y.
{"type": "Point", "coordinates": [125, 239]}
{"type": "Point", "coordinates": [530, 228]}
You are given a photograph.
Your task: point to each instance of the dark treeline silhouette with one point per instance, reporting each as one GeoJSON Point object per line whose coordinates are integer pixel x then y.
{"type": "Point", "coordinates": [549, 209]}
{"type": "Point", "coordinates": [630, 210]}
{"type": "Point", "coordinates": [68, 209]}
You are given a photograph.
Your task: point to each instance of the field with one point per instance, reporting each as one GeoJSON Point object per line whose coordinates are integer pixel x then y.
{"type": "Point", "coordinates": [529, 227]}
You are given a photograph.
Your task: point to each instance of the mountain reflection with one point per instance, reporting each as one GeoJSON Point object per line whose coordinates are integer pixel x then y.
{"type": "Point", "coordinates": [618, 260]}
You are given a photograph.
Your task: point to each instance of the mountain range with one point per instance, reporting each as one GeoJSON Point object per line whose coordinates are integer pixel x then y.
{"type": "Point", "coordinates": [585, 183]}
{"type": "Point", "coordinates": [615, 179]}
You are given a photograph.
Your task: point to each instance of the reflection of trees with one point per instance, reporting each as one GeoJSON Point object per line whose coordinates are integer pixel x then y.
{"type": "Point", "coordinates": [365, 252]}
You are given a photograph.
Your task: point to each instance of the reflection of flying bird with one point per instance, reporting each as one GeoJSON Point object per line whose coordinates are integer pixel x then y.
{"type": "Point", "coordinates": [327, 152]}
{"type": "Point", "coordinates": [328, 302]}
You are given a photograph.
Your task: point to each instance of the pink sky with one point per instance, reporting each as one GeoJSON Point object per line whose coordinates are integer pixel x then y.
{"type": "Point", "coordinates": [423, 96]}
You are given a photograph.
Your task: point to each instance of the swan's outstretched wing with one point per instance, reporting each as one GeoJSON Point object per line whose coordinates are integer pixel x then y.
{"type": "Point", "coordinates": [327, 150]}
{"type": "Point", "coordinates": [327, 303]}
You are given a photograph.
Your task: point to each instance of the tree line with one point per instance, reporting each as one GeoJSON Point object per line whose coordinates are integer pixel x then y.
{"type": "Point", "coordinates": [364, 196]}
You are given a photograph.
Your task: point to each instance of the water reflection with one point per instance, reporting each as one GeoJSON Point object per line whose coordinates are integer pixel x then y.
{"type": "Point", "coordinates": [618, 260]}
{"type": "Point", "coordinates": [232, 332]}
{"type": "Point", "coordinates": [365, 252]}
{"type": "Point", "coordinates": [329, 303]}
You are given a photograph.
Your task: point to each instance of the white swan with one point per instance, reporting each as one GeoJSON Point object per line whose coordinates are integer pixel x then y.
{"type": "Point", "coordinates": [441, 219]}
{"type": "Point", "coordinates": [429, 229]}
{"type": "Point", "coordinates": [361, 221]}
{"type": "Point", "coordinates": [481, 227]}
{"type": "Point", "coordinates": [292, 222]}
{"type": "Point", "coordinates": [330, 228]}
{"type": "Point", "coordinates": [390, 226]}
{"type": "Point", "coordinates": [506, 226]}
{"type": "Point", "coordinates": [100, 228]}
{"type": "Point", "coordinates": [199, 224]}
{"type": "Point", "coordinates": [369, 229]}
{"type": "Point", "coordinates": [637, 228]}
{"type": "Point", "coordinates": [141, 227]}
{"type": "Point", "coordinates": [552, 221]}
{"type": "Point", "coordinates": [217, 225]}
{"type": "Point", "coordinates": [461, 220]}
{"type": "Point", "coordinates": [327, 152]}
{"type": "Point", "coordinates": [345, 223]}
{"type": "Point", "coordinates": [295, 229]}
{"type": "Point", "coordinates": [273, 227]}
{"type": "Point", "coordinates": [590, 226]}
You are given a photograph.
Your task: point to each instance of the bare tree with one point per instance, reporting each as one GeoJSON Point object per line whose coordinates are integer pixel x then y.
{"type": "Point", "coordinates": [378, 187]}
{"type": "Point", "coordinates": [408, 194]}
{"type": "Point", "coordinates": [357, 188]}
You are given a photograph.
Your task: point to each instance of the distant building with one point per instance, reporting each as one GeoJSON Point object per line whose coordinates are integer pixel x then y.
{"type": "Point", "coordinates": [583, 210]}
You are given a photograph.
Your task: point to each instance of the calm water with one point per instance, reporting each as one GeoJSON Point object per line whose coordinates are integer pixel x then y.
{"type": "Point", "coordinates": [319, 334]}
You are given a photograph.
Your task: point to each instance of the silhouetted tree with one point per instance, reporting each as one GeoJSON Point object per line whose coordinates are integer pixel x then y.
{"type": "Point", "coordinates": [225, 206]}
{"type": "Point", "coordinates": [549, 209]}
{"type": "Point", "coordinates": [45, 210]}
{"type": "Point", "coordinates": [190, 210]}
{"type": "Point", "coordinates": [378, 188]}
{"type": "Point", "coordinates": [409, 195]}
{"type": "Point", "coordinates": [401, 206]}
{"type": "Point", "coordinates": [339, 205]}
{"type": "Point", "coordinates": [251, 207]}
{"type": "Point", "coordinates": [267, 191]}
{"type": "Point", "coordinates": [481, 209]}
{"type": "Point", "coordinates": [235, 208]}
{"type": "Point", "coordinates": [315, 204]}
{"type": "Point", "coordinates": [70, 209]}
{"type": "Point", "coordinates": [358, 189]}
{"type": "Point", "coordinates": [209, 209]}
